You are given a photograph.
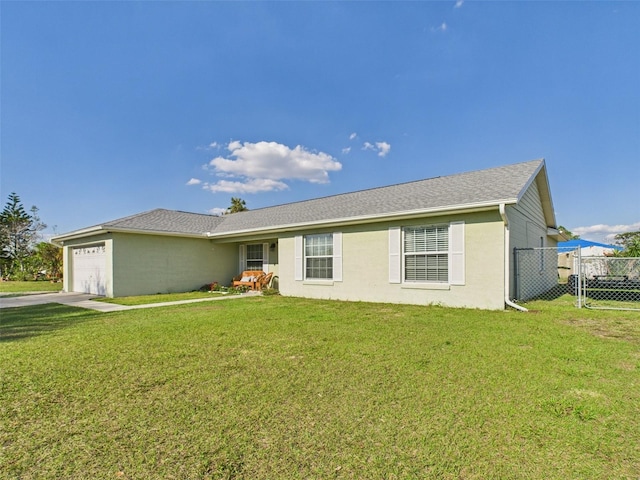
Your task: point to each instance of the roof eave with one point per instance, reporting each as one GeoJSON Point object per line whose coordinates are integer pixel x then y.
{"type": "Point", "coordinates": [364, 219]}
{"type": "Point", "coordinates": [85, 232]}
{"type": "Point", "coordinates": [555, 234]}
{"type": "Point", "coordinates": [90, 232]}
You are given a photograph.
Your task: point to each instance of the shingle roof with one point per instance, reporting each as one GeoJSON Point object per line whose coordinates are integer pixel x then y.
{"type": "Point", "coordinates": [483, 187]}
{"type": "Point", "coordinates": [169, 221]}
{"type": "Point", "coordinates": [490, 186]}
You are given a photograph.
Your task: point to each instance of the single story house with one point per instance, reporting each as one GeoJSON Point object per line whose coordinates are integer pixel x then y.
{"type": "Point", "coordinates": [444, 240]}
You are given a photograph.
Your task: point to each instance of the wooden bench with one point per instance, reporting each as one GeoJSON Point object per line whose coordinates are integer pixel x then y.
{"type": "Point", "coordinates": [254, 279]}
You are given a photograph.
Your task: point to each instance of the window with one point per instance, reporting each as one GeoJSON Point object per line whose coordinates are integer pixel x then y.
{"type": "Point", "coordinates": [426, 254]}
{"type": "Point", "coordinates": [254, 256]}
{"type": "Point", "coordinates": [318, 256]}
{"type": "Point", "coordinates": [255, 259]}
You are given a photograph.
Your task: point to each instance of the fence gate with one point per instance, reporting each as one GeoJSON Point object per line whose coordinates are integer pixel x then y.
{"type": "Point", "coordinates": [597, 282]}
{"type": "Point", "coordinates": [611, 283]}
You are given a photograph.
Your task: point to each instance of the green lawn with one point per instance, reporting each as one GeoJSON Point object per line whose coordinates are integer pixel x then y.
{"type": "Point", "coordinates": [283, 388]}
{"type": "Point", "coordinates": [21, 287]}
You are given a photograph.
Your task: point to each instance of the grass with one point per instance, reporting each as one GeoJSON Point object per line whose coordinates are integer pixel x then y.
{"type": "Point", "coordinates": [273, 387]}
{"type": "Point", "coordinates": [35, 286]}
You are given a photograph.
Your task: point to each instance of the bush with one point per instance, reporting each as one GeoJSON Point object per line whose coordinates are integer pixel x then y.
{"type": "Point", "coordinates": [211, 287]}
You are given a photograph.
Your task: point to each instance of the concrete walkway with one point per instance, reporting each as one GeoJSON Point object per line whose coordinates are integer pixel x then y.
{"type": "Point", "coordinates": [83, 300]}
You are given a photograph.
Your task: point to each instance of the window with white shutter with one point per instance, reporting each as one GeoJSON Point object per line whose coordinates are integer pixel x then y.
{"type": "Point", "coordinates": [318, 257]}
{"type": "Point", "coordinates": [427, 254]}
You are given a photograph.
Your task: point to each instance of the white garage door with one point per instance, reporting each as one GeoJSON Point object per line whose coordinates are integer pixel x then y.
{"type": "Point", "coordinates": [89, 269]}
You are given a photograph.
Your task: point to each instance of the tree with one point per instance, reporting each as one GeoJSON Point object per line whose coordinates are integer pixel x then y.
{"type": "Point", "coordinates": [237, 205]}
{"type": "Point", "coordinates": [567, 233]}
{"type": "Point", "coordinates": [630, 242]}
{"type": "Point", "coordinates": [18, 234]}
{"type": "Point", "coordinates": [48, 258]}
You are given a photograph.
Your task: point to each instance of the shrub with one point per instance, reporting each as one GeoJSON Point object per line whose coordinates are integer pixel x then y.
{"type": "Point", "coordinates": [270, 291]}
{"type": "Point", "coordinates": [210, 287]}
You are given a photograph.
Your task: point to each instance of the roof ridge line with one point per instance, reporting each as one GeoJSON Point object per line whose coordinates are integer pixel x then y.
{"type": "Point", "coordinates": [466, 172]}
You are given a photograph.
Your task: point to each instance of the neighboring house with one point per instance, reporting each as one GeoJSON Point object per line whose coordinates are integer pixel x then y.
{"type": "Point", "coordinates": [568, 261]}
{"type": "Point", "coordinates": [444, 240]}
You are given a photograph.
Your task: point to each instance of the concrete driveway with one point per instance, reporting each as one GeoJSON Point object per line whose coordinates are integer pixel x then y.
{"type": "Point", "coordinates": [83, 300]}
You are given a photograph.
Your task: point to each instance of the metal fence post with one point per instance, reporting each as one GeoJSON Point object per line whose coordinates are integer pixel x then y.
{"type": "Point", "coordinates": [579, 279]}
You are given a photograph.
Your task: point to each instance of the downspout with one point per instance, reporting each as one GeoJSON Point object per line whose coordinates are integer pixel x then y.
{"type": "Point", "coordinates": [507, 257]}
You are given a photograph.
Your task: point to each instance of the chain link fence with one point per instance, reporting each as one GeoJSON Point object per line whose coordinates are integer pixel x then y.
{"type": "Point", "coordinates": [609, 282]}
{"type": "Point", "coordinates": [594, 281]}
{"type": "Point", "coordinates": [542, 273]}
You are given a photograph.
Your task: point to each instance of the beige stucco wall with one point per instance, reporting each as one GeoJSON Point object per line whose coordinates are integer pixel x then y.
{"type": "Point", "coordinates": [365, 257]}
{"type": "Point", "coordinates": [138, 264]}
{"type": "Point", "coordinates": [148, 264]}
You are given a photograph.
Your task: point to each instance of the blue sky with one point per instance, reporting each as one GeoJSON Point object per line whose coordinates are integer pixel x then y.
{"type": "Point", "coordinates": [114, 108]}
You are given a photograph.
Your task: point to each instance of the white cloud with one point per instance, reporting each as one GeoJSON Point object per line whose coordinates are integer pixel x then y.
{"type": "Point", "coordinates": [604, 233]}
{"type": "Point", "coordinates": [458, 3]}
{"type": "Point", "coordinates": [353, 136]}
{"type": "Point", "coordinates": [346, 150]}
{"type": "Point", "coordinates": [254, 185]}
{"type": "Point", "coordinates": [194, 181]}
{"type": "Point", "coordinates": [383, 148]}
{"type": "Point", "coordinates": [262, 166]}
{"type": "Point", "coordinates": [234, 145]}
{"type": "Point", "coordinates": [217, 211]}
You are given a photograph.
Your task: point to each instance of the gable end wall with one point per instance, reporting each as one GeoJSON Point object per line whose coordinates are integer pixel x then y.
{"type": "Point", "coordinates": [527, 226]}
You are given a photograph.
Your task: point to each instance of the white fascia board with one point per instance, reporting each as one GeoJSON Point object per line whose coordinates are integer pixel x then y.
{"type": "Point", "coordinates": [550, 212]}
{"type": "Point", "coordinates": [556, 234]}
{"type": "Point", "coordinates": [403, 215]}
{"type": "Point", "coordinates": [89, 232]}
{"type": "Point", "coordinates": [85, 232]}
{"type": "Point", "coordinates": [545, 191]}
{"type": "Point", "coordinates": [532, 179]}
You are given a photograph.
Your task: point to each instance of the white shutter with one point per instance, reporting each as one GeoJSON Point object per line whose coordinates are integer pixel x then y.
{"type": "Point", "coordinates": [265, 257]}
{"type": "Point", "coordinates": [395, 257]}
{"type": "Point", "coordinates": [456, 253]}
{"type": "Point", "coordinates": [337, 256]}
{"type": "Point", "coordinates": [297, 268]}
{"type": "Point", "coordinates": [242, 255]}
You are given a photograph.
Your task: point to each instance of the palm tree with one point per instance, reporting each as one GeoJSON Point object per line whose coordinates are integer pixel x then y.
{"type": "Point", "coordinates": [237, 205]}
